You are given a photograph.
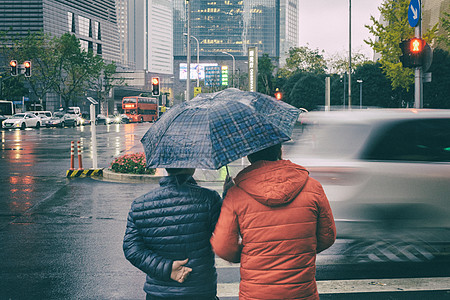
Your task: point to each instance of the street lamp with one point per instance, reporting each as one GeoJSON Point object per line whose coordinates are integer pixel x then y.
{"type": "Point", "coordinates": [198, 58]}
{"type": "Point", "coordinates": [360, 92]}
{"type": "Point", "coordinates": [233, 63]}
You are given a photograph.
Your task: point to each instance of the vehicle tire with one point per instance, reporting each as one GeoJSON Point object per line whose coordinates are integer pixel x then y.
{"type": "Point", "coordinates": [23, 126]}
{"type": "Point", "coordinates": [63, 124]}
{"type": "Point", "coordinates": [141, 120]}
{"type": "Point", "coordinates": [38, 125]}
{"type": "Point", "coordinates": [74, 124]}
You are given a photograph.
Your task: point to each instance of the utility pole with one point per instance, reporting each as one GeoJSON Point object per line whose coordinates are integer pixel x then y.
{"type": "Point", "coordinates": [349, 54]}
{"type": "Point", "coordinates": [188, 53]}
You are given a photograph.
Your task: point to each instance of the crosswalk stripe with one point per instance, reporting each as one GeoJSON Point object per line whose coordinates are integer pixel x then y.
{"type": "Point", "coordinates": [360, 286]}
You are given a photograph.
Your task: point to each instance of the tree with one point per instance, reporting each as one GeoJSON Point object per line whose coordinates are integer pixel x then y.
{"type": "Point", "coordinates": [74, 69]}
{"type": "Point", "coordinates": [435, 93]}
{"type": "Point", "coordinates": [338, 63]}
{"type": "Point", "coordinates": [303, 59]}
{"type": "Point", "coordinates": [388, 33]}
{"type": "Point", "coordinates": [308, 92]}
{"type": "Point", "coordinates": [265, 75]}
{"type": "Point", "coordinates": [444, 39]}
{"type": "Point", "coordinates": [36, 48]}
{"type": "Point", "coordinates": [103, 84]}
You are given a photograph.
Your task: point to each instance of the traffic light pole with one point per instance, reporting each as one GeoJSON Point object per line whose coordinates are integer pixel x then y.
{"type": "Point", "coordinates": [188, 53]}
{"type": "Point", "coordinates": [418, 82]}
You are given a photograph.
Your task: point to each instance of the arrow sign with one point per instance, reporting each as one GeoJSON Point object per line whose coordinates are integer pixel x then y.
{"type": "Point", "coordinates": [414, 13]}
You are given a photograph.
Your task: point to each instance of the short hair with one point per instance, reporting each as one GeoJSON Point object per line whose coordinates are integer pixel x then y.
{"type": "Point", "coordinates": [272, 153]}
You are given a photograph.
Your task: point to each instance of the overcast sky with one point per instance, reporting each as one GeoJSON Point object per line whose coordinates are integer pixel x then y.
{"type": "Point", "coordinates": [323, 25]}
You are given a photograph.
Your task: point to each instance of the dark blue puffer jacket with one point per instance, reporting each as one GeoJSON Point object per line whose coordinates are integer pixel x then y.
{"type": "Point", "coordinates": [174, 222]}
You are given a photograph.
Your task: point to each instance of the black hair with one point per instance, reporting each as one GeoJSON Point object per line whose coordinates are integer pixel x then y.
{"type": "Point", "coordinates": [272, 153]}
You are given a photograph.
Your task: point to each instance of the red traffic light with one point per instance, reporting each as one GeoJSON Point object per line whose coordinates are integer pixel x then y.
{"type": "Point", "coordinates": [155, 80]}
{"type": "Point", "coordinates": [27, 64]}
{"type": "Point", "coordinates": [278, 95]}
{"type": "Point", "coordinates": [155, 86]}
{"type": "Point", "coordinates": [416, 45]}
{"type": "Point", "coordinates": [13, 63]}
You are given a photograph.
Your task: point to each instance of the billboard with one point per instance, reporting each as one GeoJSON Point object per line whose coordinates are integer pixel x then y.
{"type": "Point", "coordinates": [201, 70]}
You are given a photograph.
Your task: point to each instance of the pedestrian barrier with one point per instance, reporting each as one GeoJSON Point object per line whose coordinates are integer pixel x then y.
{"type": "Point", "coordinates": [80, 172]}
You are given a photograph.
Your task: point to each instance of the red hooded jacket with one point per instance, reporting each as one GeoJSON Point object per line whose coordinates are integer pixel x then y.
{"type": "Point", "coordinates": [284, 219]}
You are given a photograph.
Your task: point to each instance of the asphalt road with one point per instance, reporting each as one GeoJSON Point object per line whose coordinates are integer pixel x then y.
{"type": "Point", "coordinates": [61, 238]}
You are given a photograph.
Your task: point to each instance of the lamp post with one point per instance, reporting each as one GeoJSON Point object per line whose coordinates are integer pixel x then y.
{"type": "Point", "coordinates": [349, 54]}
{"type": "Point", "coordinates": [360, 92]}
{"type": "Point", "coordinates": [233, 63]}
{"type": "Point", "coordinates": [188, 53]}
{"type": "Point", "coordinates": [198, 58]}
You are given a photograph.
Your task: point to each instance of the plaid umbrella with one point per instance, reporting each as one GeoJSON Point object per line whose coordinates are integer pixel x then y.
{"type": "Point", "coordinates": [215, 129]}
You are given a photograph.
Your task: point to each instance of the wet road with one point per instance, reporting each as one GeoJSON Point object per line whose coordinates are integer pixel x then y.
{"type": "Point", "coordinates": [62, 238]}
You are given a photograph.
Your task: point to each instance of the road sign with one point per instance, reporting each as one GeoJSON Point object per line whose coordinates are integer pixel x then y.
{"type": "Point", "coordinates": [414, 13]}
{"type": "Point", "coordinates": [197, 90]}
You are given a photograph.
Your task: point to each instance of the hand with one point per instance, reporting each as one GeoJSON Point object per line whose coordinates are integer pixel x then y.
{"type": "Point", "coordinates": [179, 271]}
{"type": "Point", "coordinates": [228, 183]}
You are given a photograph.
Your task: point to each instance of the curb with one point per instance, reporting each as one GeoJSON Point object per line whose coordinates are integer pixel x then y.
{"type": "Point", "coordinates": [133, 178]}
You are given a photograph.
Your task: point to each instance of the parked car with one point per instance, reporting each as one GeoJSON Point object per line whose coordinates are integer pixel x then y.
{"type": "Point", "coordinates": [22, 121]}
{"type": "Point", "coordinates": [44, 115]}
{"type": "Point", "coordinates": [60, 119]}
{"type": "Point", "coordinates": [386, 174]}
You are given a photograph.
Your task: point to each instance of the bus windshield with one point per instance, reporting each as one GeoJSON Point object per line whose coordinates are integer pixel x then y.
{"type": "Point", "coordinates": [129, 100]}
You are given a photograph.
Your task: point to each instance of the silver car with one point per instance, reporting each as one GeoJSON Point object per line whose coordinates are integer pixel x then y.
{"type": "Point", "coordinates": [386, 174]}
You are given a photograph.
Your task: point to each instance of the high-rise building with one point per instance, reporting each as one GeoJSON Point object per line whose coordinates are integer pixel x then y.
{"type": "Point", "coordinates": [234, 26]}
{"type": "Point", "coordinates": [93, 22]}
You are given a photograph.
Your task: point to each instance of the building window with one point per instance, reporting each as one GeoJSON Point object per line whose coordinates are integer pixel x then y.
{"type": "Point", "coordinates": [99, 49]}
{"type": "Point", "coordinates": [99, 32]}
{"type": "Point", "coordinates": [71, 22]}
{"type": "Point", "coordinates": [83, 26]}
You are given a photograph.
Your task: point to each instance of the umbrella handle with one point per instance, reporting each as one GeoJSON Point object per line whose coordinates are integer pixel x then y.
{"type": "Point", "coordinates": [228, 173]}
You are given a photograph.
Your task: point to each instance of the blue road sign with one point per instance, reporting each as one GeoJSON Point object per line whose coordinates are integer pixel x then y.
{"type": "Point", "coordinates": [414, 13]}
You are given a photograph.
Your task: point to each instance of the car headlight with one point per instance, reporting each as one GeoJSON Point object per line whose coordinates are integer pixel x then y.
{"type": "Point", "coordinates": [117, 119]}
{"type": "Point", "coordinates": [108, 120]}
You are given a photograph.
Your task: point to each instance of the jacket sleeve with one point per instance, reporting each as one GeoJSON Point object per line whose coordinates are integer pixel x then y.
{"type": "Point", "coordinates": [215, 210]}
{"type": "Point", "coordinates": [326, 229]}
{"type": "Point", "coordinates": [225, 239]}
{"type": "Point", "coordinates": [143, 258]}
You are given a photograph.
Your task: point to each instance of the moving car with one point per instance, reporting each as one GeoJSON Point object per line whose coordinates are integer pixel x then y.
{"type": "Point", "coordinates": [44, 115]}
{"type": "Point", "coordinates": [101, 119]}
{"type": "Point", "coordinates": [2, 118]}
{"type": "Point", "coordinates": [22, 121]}
{"type": "Point", "coordinates": [61, 119]}
{"type": "Point", "coordinates": [386, 174]}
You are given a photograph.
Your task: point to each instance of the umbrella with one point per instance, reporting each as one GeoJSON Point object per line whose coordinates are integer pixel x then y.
{"type": "Point", "coordinates": [214, 129]}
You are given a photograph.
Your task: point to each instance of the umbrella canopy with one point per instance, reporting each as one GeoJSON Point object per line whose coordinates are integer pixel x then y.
{"type": "Point", "coordinates": [215, 129]}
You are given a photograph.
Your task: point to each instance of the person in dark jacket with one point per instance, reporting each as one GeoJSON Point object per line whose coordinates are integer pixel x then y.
{"type": "Point", "coordinates": [167, 237]}
{"type": "Point", "coordinates": [274, 221]}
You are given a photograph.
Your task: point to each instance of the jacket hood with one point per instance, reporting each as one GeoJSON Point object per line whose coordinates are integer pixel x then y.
{"type": "Point", "coordinates": [272, 183]}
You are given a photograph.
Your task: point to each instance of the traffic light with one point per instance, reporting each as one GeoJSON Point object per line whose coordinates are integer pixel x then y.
{"type": "Point", "coordinates": [278, 94]}
{"type": "Point", "coordinates": [27, 65]}
{"type": "Point", "coordinates": [412, 52]}
{"type": "Point", "coordinates": [155, 86]}
{"type": "Point", "coordinates": [13, 64]}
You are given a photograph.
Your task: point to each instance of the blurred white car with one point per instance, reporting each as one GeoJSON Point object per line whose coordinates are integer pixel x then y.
{"type": "Point", "coordinates": [44, 115]}
{"type": "Point", "coordinates": [386, 174]}
{"type": "Point", "coordinates": [22, 121]}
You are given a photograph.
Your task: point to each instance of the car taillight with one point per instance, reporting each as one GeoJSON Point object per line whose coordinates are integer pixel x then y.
{"type": "Point", "coordinates": [336, 175]}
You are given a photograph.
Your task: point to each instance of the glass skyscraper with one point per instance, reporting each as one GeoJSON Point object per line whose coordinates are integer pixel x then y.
{"type": "Point", "coordinates": [93, 22]}
{"type": "Point", "coordinates": [234, 26]}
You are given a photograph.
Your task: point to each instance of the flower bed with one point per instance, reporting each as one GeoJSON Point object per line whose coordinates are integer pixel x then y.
{"type": "Point", "coordinates": [131, 164]}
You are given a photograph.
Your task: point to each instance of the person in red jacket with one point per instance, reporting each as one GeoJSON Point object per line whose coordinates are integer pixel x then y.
{"type": "Point", "coordinates": [274, 221]}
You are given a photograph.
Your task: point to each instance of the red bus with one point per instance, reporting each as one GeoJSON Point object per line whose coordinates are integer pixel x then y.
{"type": "Point", "coordinates": [140, 109]}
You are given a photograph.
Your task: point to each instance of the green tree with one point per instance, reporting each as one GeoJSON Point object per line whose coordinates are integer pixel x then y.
{"type": "Point", "coordinates": [308, 92]}
{"type": "Point", "coordinates": [103, 84]}
{"type": "Point", "coordinates": [75, 68]}
{"type": "Point", "coordinates": [338, 63]}
{"type": "Point", "coordinates": [303, 59]}
{"type": "Point", "coordinates": [36, 47]}
{"type": "Point", "coordinates": [444, 39]}
{"type": "Point", "coordinates": [388, 34]}
{"type": "Point", "coordinates": [436, 93]}
{"type": "Point", "coordinates": [265, 75]}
